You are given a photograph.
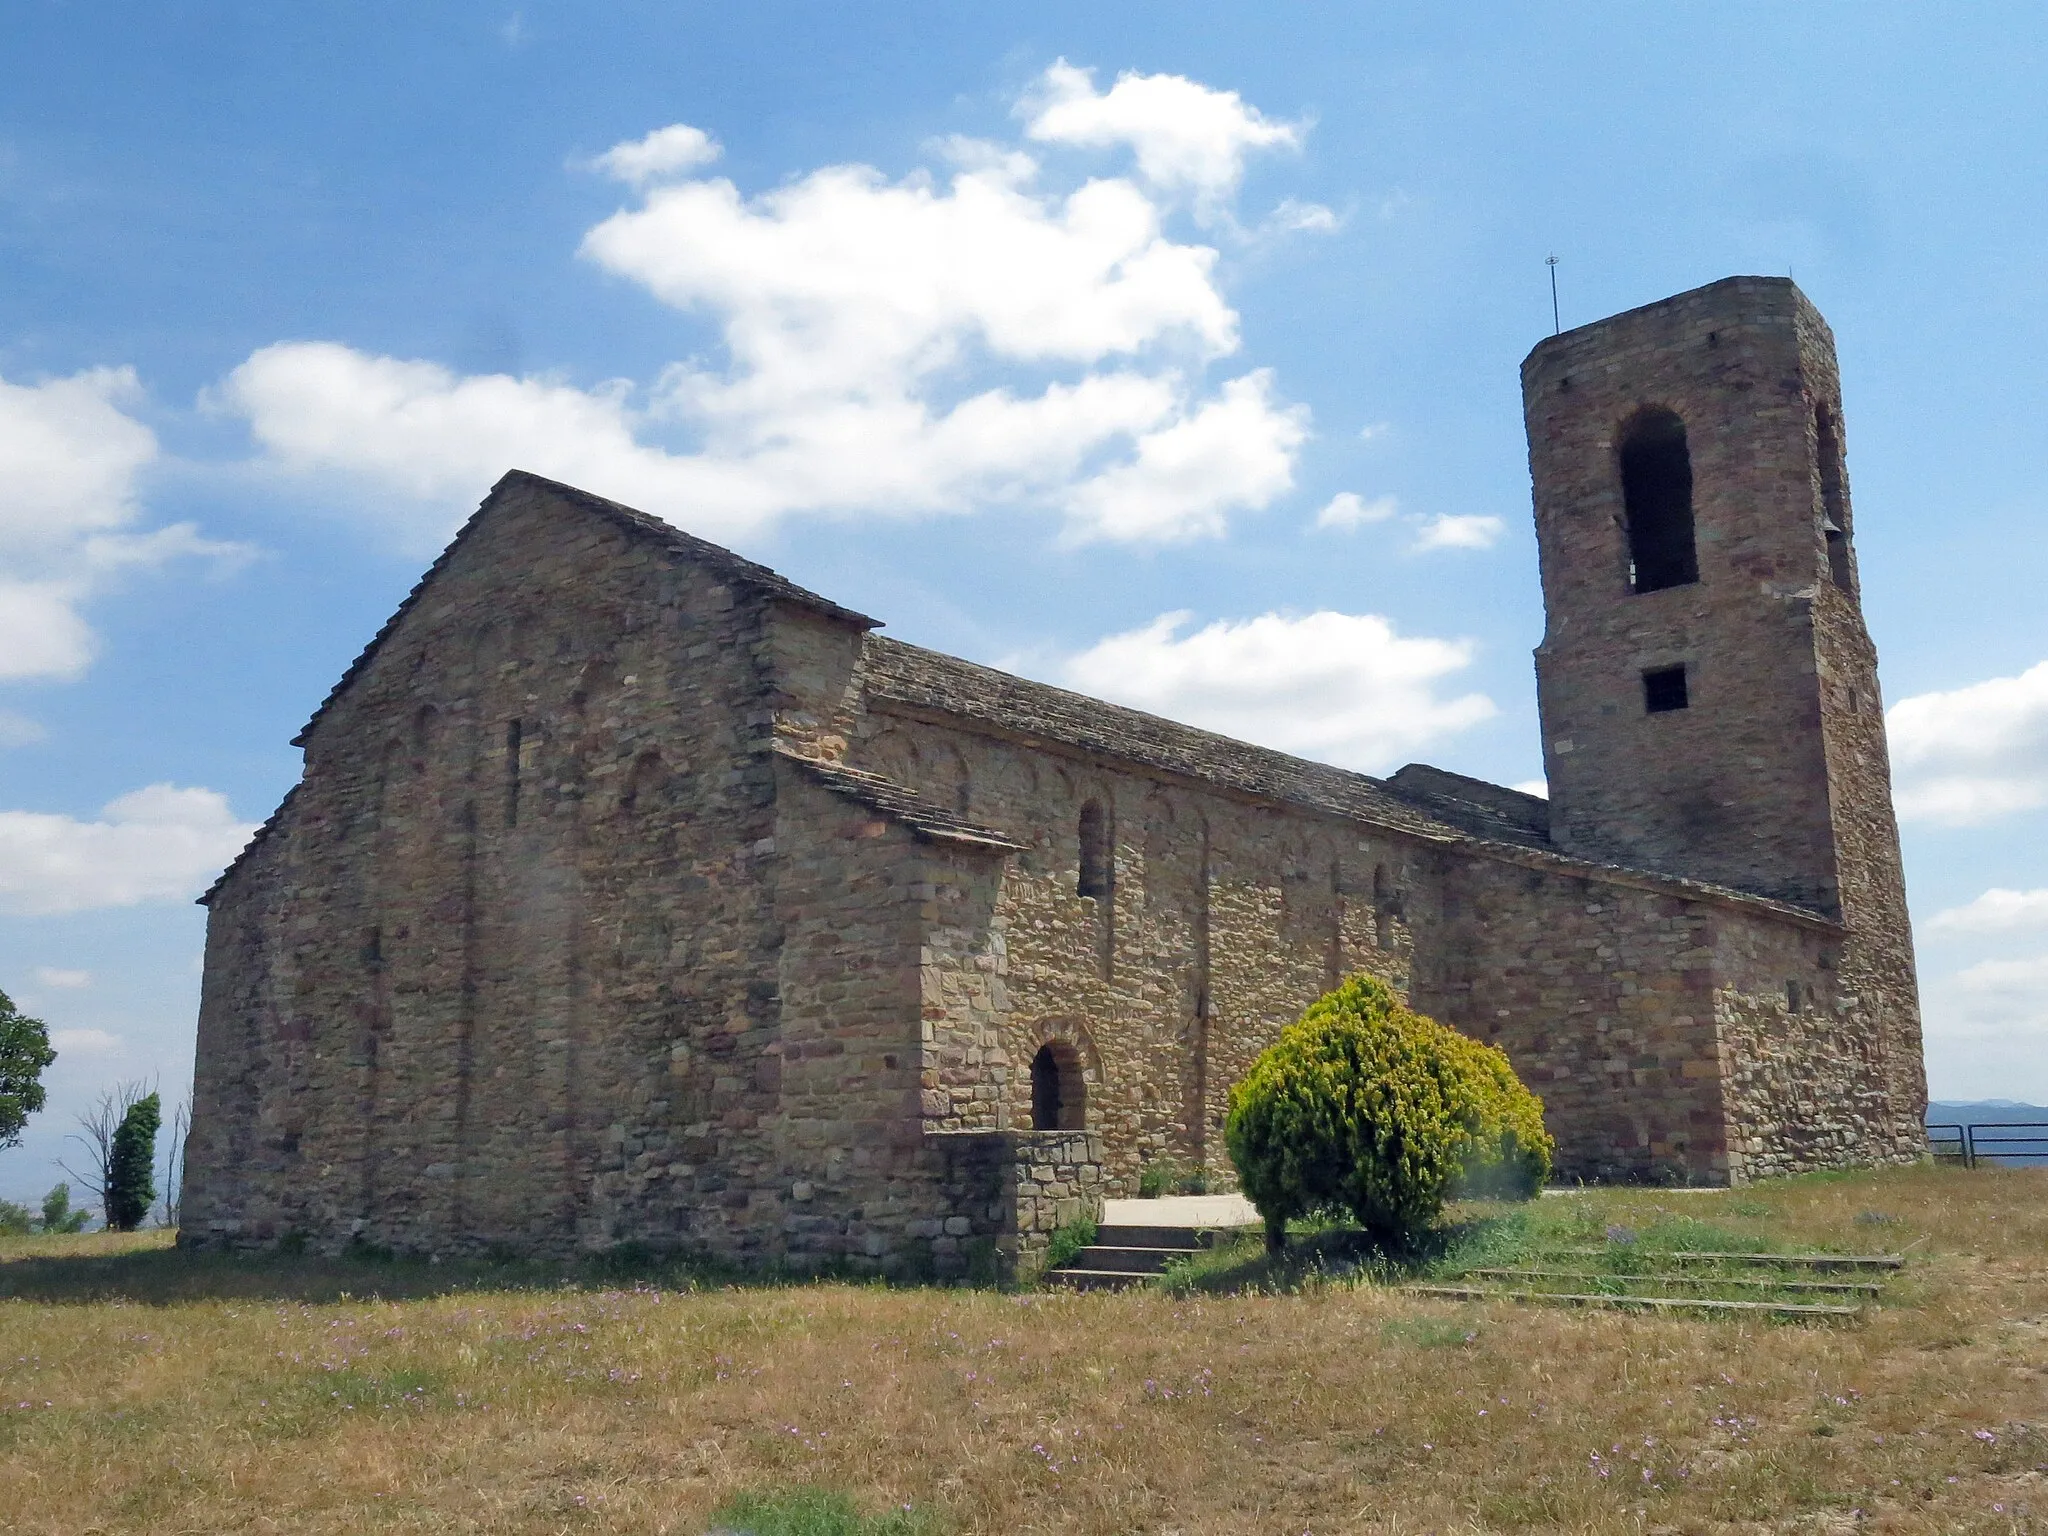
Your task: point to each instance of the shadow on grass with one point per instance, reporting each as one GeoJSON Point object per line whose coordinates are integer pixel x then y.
{"type": "Point", "coordinates": [159, 1275]}
{"type": "Point", "coordinates": [1322, 1253]}
{"type": "Point", "coordinates": [1477, 1235]}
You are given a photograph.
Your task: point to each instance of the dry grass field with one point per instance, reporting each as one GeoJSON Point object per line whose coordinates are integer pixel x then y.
{"type": "Point", "coordinates": [145, 1391]}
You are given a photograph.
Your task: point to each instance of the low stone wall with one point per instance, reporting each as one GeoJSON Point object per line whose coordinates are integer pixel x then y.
{"type": "Point", "coordinates": [1008, 1192]}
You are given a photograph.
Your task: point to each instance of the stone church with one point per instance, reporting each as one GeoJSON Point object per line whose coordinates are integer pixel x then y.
{"type": "Point", "coordinates": [633, 893]}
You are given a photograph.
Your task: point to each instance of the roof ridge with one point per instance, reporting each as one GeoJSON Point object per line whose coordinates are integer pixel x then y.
{"type": "Point", "coordinates": [1394, 808]}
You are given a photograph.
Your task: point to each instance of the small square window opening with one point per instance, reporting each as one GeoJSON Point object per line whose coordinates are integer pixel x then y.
{"type": "Point", "coordinates": [1664, 689]}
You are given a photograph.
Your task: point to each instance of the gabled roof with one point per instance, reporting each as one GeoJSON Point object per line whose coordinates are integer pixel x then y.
{"type": "Point", "coordinates": [909, 674]}
{"type": "Point", "coordinates": [630, 520]}
{"type": "Point", "coordinates": [1483, 809]}
{"type": "Point", "coordinates": [900, 803]}
{"type": "Point", "coordinates": [1487, 819]}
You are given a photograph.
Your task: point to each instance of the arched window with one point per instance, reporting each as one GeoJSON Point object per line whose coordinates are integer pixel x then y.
{"type": "Point", "coordinates": [1656, 494]}
{"type": "Point", "coordinates": [1834, 515]}
{"type": "Point", "coordinates": [1097, 863]}
{"type": "Point", "coordinates": [963, 785]}
{"type": "Point", "coordinates": [426, 730]}
{"type": "Point", "coordinates": [514, 731]}
{"type": "Point", "coordinates": [1059, 1097]}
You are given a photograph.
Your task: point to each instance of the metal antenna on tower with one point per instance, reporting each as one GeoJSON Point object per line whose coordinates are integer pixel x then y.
{"type": "Point", "coordinates": [1555, 324]}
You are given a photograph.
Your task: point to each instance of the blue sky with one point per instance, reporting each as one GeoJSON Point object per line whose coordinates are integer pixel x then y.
{"type": "Point", "coordinates": [1167, 351]}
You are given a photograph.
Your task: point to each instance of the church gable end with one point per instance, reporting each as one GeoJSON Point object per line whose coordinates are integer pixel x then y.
{"type": "Point", "coordinates": [515, 877]}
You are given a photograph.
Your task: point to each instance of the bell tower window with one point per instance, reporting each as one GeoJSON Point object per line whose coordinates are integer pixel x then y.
{"type": "Point", "coordinates": [1656, 494]}
{"type": "Point", "coordinates": [1664, 690]}
{"type": "Point", "coordinates": [1834, 513]}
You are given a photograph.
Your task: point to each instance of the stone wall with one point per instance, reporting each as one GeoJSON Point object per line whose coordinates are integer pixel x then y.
{"type": "Point", "coordinates": [1006, 1193]}
{"type": "Point", "coordinates": [1774, 777]}
{"type": "Point", "coordinates": [503, 970]}
{"type": "Point", "coordinates": [1734, 788]}
{"type": "Point", "coordinates": [1222, 920]}
{"type": "Point", "coordinates": [556, 947]}
{"type": "Point", "coordinates": [1876, 963]}
{"type": "Point", "coordinates": [849, 1175]}
{"type": "Point", "coordinates": [1602, 997]}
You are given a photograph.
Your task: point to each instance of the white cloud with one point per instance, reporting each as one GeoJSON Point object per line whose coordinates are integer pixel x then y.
{"type": "Point", "coordinates": [1291, 216]}
{"type": "Point", "coordinates": [50, 976]}
{"type": "Point", "coordinates": [1540, 788]}
{"type": "Point", "coordinates": [71, 459]}
{"type": "Point", "coordinates": [1342, 688]}
{"type": "Point", "coordinates": [1186, 477]}
{"type": "Point", "coordinates": [844, 279]}
{"type": "Point", "coordinates": [665, 152]}
{"type": "Point", "coordinates": [1986, 1029]}
{"type": "Point", "coordinates": [18, 730]}
{"type": "Point", "coordinates": [1470, 532]}
{"type": "Point", "coordinates": [86, 1042]}
{"type": "Point", "coordinates": [1347, 510]}
{"type": "Point", "coordinates": [2014, 988]}
{"type": "Point", "coordinates": [896, 348]}
{"type": "Point", "coordinates": [1970, 755]}
{"type": "Point", "coordinates": [160, 843]}
{"type": "Point", "coordinates": [1185, 135]}
{"type": "Point", "coordinates": [1997, 911]}
{"type": "Point", "coordinates": [432, 435]}
{"type": "Point", "coordinates": [42, 633]}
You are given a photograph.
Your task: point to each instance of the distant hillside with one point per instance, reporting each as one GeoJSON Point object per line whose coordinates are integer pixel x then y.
{"type": "Point", "coordinates": [1984, 1111]}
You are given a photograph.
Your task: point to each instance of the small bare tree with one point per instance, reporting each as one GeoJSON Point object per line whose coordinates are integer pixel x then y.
{"type": "Point", "coordinates": [96, 1135]}
{"type": "Point", "coordinates": [174, 1162]}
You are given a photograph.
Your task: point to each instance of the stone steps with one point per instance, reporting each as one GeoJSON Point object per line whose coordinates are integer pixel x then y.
{"type": "Point", "coordinates": [1125, 1255]}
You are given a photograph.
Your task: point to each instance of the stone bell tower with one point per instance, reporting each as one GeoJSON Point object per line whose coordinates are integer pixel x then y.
{"type": "Point", "coordinates": [1707, 688]}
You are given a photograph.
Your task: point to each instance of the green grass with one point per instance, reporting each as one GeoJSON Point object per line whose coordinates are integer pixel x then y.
{"type": "Point", "coordinates": [1430, 1332]}
{"type": "Point", "coordinates": [143, 1390]}
{"type": "Point", "coordinates": [1068, 1242]}
{"type": "Point", "coordinates": [805, 1511]}
{"type": "Point", "coordinates": [1618, 1235]}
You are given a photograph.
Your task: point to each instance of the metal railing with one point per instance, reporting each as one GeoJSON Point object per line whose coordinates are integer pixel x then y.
{"type": "Point", "coordinates": [1992, 1141]}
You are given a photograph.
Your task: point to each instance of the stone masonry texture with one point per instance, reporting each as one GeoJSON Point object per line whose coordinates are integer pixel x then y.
{"type": "Point", "coordinates": [632, 894]}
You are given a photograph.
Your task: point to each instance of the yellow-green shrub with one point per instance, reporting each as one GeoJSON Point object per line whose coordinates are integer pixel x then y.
{"type": "Point", "coordinates": [1366, 1106]}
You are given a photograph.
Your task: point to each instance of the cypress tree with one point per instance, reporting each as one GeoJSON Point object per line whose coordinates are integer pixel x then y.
{"type": "Point", "coordinates": [131, 1171]}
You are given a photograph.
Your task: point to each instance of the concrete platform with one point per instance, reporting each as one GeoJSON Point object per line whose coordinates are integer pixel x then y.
{"type": "Point", "coordinates": [1212, 1211]}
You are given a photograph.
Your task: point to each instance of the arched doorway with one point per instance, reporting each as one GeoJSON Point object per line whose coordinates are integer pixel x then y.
{"type": "Point", "coordinates": [1059, 1096]}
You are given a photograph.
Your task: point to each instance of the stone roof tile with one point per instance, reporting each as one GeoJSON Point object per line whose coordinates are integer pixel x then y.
{"type": "Point", "coordinates": [900, 803]}
{"type": "Point", "coordinates": [1484, 819]}
{"type": "Point", "coordinates": [912, 675]}
{"type": "Point", "coordinates": [256, 839]}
